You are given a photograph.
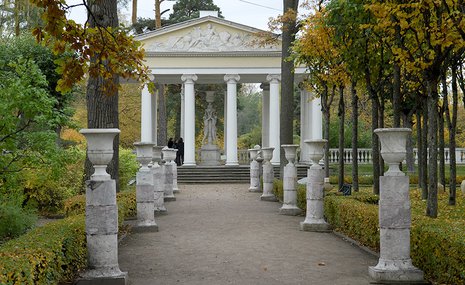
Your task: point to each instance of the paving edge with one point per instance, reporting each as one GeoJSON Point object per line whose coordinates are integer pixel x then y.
{"type": "Point", "coordinates": [356, 243]}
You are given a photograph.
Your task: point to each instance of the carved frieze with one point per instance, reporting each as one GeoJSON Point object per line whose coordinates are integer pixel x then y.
{"type": "Point", "coordinates": [208, 39]}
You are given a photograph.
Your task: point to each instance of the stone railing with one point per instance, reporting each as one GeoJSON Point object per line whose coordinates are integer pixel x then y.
{"type": "Point", "coordinates": [364, 155]}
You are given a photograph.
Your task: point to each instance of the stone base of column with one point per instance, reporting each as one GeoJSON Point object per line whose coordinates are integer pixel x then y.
{"type": "Point", "coordinates": [160, 211]}
{"type": "Point", "coordinates": [255, 190]}
{"type": "Point", "coordinates": [144, 229]}
{"type": "Point", "coordinates": [176, 190]}
{"type": "Point", "coordinates": [396, 273]}
{"type": "Point", "coordinates": [315, 226]}
{"type": "Point", "coordinates": [169, 198]}
{"type": "Point", "coordinates": [269, 198]}
{"type": "Point", "coordinates": [103, 277]}
{"type": "Point", "coordinates": [289, 210]}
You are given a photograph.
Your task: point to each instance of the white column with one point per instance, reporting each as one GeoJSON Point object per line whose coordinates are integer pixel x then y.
{"type": "Point", "coordinates": [305, 124]}
{"type": "Point", "coordinates": [189, 116]}
{"type": "Point", "coordinates": [265, 114]}
{"type": "Point", "coordinates": [316, 119]}
{"type": "Point", "coordinates": [274, 140]}
{"type": "Point", "coordinates": [146, 121]}
{"type": "Point", "coordinates": [231, 151]}
{"type": "Point", "coordinates": [225, 133]}
{"type": "Point", "coordinates": [154, 116]}
{"type": "Point", "coordinates": [183, 109]}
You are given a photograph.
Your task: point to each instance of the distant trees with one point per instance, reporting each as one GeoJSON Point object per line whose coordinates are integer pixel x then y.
{"type": "Point", "coordinates": [398, 52]}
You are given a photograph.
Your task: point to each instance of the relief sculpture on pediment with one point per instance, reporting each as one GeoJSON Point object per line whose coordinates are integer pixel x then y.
{"type": "Point", "coordinates": [209, 39]}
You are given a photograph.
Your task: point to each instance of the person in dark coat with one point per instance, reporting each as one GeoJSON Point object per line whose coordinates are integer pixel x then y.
{"type": "Point", "coordinates": [170, 143]}
{"type": "Point", "coordinates": [180, 152]}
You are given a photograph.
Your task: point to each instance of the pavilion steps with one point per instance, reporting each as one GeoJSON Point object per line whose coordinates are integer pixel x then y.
{"type": "Point", "coordinates": [223, 174]}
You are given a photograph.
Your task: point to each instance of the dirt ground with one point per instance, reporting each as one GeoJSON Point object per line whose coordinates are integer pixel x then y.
{"type": "Point", "coordinates": [222, 234]}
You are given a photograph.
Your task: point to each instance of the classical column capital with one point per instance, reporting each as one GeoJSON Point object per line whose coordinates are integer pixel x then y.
{"type": "Point", "coordinates": [265, 86]}
{"type": "Point", "coordinates": [232, 78]}
{"type": "Point", "coordinates": [273, 78]}
{"type": "Point", "coordinates": [189, 78]}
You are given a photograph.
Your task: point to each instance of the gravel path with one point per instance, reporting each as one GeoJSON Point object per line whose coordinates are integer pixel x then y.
{"type": "Point", "coordinates": [222, 234]}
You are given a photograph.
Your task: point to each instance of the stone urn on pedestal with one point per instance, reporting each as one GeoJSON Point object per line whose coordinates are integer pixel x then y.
{"type": "Point", "coordinates": [314, 220]}
{"type": "Point", "coordinates": [169, 155]}
{"type": "Point", "coordinates": [289, 182]}
{"type": "Point", "coordinates": [268, 175]}
{"type": "Point", "coordinates": [158, 181]}
{"type": "Point", "coordinates": [394, 263]}
{"type": "Point", "coordinates": [101, 212]}
{"type": "Point", "coordinates": [145, 189]}
{"type": "Point", "coordinates": [254, 170]}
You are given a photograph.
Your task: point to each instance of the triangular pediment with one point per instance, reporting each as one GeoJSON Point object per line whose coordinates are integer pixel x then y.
{"type": "Point", "coordinates": [206, 35]}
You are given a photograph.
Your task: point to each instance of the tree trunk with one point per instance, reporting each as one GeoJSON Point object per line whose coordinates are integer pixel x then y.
{"type": "Point", "coordinates": [410, 158]}
{"type": "Point", "coordinates": [420, 161]}
{"type": "Point", "coordinates": [325, 107]}
{"type": "Point", "coordinates": [134, 12]}
{"type": "Point", "coordinates": [102, 108]}
{"type": "Point", "coordinates": [381, 125]}
{"type": "Point", "coordinates": [375, 142]}
{"type": "Point", "coordinates": [432, 202]}
{"type": "Point", "coordinates": [396, 96]}
{"type": "Point", "coordinates": [16, 13]}
{"type": "Point", "coordinates": [157, 14]}
{"type": "Point", "coordinates": [424, 151]}
{"type": "Point", "coordinates": [452, 125]}
{"type": "Point", "coordinates": [341, 115]}
{"type": "Point", "coordinates": [442, 160]}
{"type": "Point", "coordinates": [287, 80]}
{"type": "Point", "coordinates": [354, 136]}
{"type": "Point", "coordinates": [396, 82]}
{"type": "Point", "coordinates": [162, 124]}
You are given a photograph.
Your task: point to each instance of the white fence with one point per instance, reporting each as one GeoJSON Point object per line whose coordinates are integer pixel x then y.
{"type": "Point", "coordinates": [364, 155]}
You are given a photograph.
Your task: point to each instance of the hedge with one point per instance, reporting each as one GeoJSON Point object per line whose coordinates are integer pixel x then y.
{"type": "Point", "coordinates": [368, 179]}
{"type": "Point", "coordinates": [437, 245]}
{"type": "Point", "coordinates": [45, 255]}
{"type": "Point", "coordinates": [56, 251]}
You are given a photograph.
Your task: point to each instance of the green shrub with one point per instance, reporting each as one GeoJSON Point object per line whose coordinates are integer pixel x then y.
{"type": "Point", "coordinates": [56, 251]}
{"type": "Point", "coordinates": [45, 255]}
{"type": "Point", "coordinates": [128, 167]}
{"type": "Point", "coordinates": [355, 219]}
{"type": "Point", "coordinates": [437, 245]}
{"type": "Point", "coordinates": [47, 186]}
{"type": "Point", "coordinates": [14, 220]}
{"type": "Point", "coordinates": [278, 189]}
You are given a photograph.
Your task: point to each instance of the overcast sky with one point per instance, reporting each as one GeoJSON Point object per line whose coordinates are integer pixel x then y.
{"type": "Point", "coordinates": [255, 13]}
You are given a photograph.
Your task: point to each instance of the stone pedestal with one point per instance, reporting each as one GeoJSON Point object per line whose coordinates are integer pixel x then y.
{"type": "Point", "coordinates": [289, 206]}
{"type": "Point", "coordinates": [314, 220]}
{"type": "Point", "coordinates": [174, 167]}
{"type": "Point", "coordinates": [158, 182]}
{"type": "Point", "coordinates": [394, 265]}
{"type": "Point", "coordinates": [254, 170]}
{"type": "Point", "coordinates": [101, 213]}
{"type": "Point", "coordinates": [210, 155]}
{"type": "Point", "coordinates": [168, 174]}
{"type": "Point", "coordinates": [268, 175]}
{"type": "Point", "coordinates": [145, 190]}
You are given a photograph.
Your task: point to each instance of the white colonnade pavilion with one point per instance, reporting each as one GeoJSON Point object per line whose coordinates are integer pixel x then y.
{"type": "Point", "coordinates": [211, 50]}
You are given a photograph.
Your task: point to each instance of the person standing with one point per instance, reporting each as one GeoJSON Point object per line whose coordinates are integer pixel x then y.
{"type": "Point", "coordinates": [180, 152]}
{"type": "Point", "coordinates": [170, 143]}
